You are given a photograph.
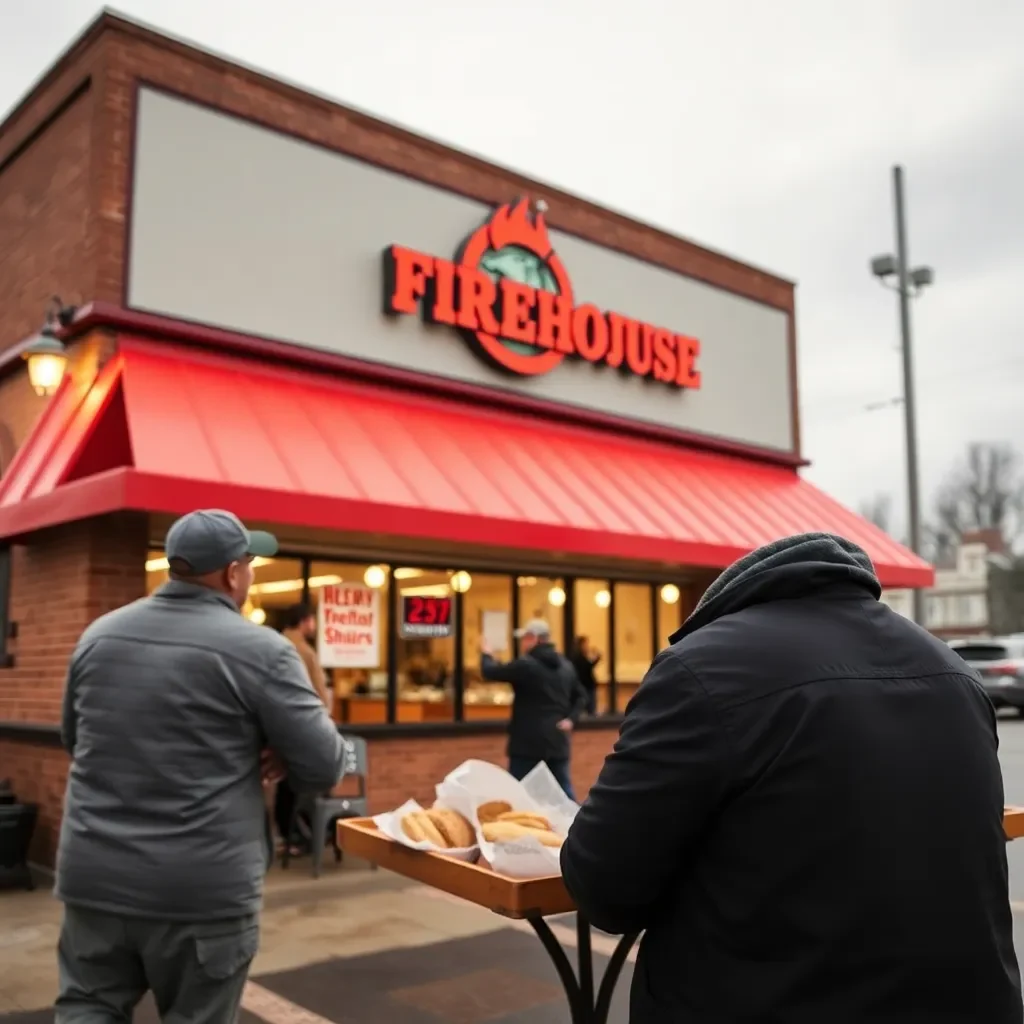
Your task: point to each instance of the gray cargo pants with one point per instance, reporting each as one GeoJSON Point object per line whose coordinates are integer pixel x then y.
{"type": "Point", "coordinates": [196, 972]}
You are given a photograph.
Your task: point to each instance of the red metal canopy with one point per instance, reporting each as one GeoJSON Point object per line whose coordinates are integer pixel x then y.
{"type": "Point", "coordinates": [168, 429]}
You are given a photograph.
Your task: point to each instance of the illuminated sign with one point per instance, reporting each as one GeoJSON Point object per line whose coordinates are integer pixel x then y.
{"type": "Point", "coordinates": [424, 616]}
{"type": "Point", "coordinates": [508, 292]}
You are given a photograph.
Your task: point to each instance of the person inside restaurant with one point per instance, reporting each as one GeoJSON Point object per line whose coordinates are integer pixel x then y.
{"type": "Point", "coordinates": [549, 700]}
{"type": "Point", "coordinates": [300, 631]}
{"type": "Point", "coordinates": [584, 658]}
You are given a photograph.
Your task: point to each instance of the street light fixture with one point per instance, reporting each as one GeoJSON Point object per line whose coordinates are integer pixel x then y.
{"type": "Point", "coordinates": [46, 355]}
{"type": "Point", "coordinates": [921, 278]}
{"type": "Point", "coordinates": [909, 282]}
{"type": "Point", "coordinates": [884, 267]}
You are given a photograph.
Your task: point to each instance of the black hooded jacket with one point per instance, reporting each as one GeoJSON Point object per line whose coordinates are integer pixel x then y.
{"type": "Point", "coordinates": [804, 812]}
{"type": "Point", "coordinates": [546, 691]}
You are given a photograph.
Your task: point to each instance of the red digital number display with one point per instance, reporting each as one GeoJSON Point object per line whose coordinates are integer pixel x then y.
{"type": "Point", "coordinates": [426, 616]}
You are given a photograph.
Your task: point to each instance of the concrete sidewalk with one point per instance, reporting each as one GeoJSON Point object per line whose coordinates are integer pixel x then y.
{"type": "Point", "coordinates": [354, 946]}
{"type": "Point", "coordinates": [349, 911]}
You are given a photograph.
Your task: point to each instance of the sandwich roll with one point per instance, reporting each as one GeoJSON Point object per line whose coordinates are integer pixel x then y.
{"type": "Point", "coordinates": [420, 829]}
{"type": "Point", "coordinates": [454, 828]}
{"type": "Point", "coordinates": [528, 818]}
{"type": "Point", "coordinates": [492, 810]}
{"type": "Point", "coordinates": [510, 831]}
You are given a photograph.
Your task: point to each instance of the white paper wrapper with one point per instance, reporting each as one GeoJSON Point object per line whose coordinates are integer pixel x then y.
{"type": "Point", "coordinates": [391, 825]}
{"type": "Point", "coordinates": [477, 782]}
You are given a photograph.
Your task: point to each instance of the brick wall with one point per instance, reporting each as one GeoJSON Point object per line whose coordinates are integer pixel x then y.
{"type": "Point", "coordinates": [45, 219]}
{"type": "Point", "coordinates": [66, 578]}
{"type": "Point", "coordinates": [38, 773]}
{"type": "Point", "coordinates": [20, 408]}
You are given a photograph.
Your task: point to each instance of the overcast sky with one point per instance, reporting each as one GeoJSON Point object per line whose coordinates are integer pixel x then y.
{"type": "Point", "coordinates": [765, 130]}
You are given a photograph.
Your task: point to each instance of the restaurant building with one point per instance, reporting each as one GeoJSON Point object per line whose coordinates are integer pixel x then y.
{"type": "Point", "coordinates": [460, 398]}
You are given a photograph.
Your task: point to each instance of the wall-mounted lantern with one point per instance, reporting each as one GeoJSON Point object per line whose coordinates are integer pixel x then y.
{"type": "Point", "coordinates": [46, 354]}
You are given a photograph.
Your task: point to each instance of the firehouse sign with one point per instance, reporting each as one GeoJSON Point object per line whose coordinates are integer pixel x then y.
{"type": "Point", "coordinates": [509, 294]}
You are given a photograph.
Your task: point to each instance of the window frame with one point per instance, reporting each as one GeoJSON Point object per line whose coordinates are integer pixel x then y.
{"type": "Point", "coordinates": [568, 576]}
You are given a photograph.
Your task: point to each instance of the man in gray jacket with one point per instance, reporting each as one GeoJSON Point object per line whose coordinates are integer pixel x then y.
{"type": "Point", "coordinates": [175, 711]}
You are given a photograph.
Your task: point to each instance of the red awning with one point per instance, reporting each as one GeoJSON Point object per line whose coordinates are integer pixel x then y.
{"type": "Point", "coordinates": [167, 429]}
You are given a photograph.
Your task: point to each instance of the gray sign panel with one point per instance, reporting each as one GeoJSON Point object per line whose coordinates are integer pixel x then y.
{"type": "Point", "coordinates": [240, 227]}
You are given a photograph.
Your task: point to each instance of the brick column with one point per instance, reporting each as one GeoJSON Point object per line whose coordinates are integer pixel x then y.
{"type": "Point", "coordinates": [61, 581]}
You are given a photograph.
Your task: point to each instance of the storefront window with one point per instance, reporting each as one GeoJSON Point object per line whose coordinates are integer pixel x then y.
{"type": "Point", "coordinates": [542, 597]}
{"type": "Point", "coordinates": [670, 611]}
{"type": "Point", "coordinates": [634, 631]}
{"type": "Point", "coordinates": [424, 606]}
{"type": "Point", "coordinates": [487, 612]}
{"type": "Point", "coordinates": [277, 584]}
{"type": "Point", "coordinates": [156, 570]}
{"type": "Point", "coordinates": [592, 601]}
{"type": "Point", "coordinates": [418, 631]}
{"type": "Point", "coordinates": [634, 635]}
{"type": "Point", "coordinates": [351, 602]}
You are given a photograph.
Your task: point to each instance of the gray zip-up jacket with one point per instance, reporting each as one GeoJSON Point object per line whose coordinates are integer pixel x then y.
{"type": "Point", "coordinates": [168, 705]}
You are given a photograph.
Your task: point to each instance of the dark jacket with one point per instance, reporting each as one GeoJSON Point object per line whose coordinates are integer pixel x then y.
{"type": "Point", "coordinates": [804, 811]}
{"type": "Point", "coordinates": [168, 704]}
{"type": "Point", "coordinates": [546, 692]}
{"type": "Point", "coordinates": [585, 670]}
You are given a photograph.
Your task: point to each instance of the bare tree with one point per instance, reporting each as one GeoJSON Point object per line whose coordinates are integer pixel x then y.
{"type": "Point", "coordinates": [878, 510]}
{"type": "Point", "coordinates": [985, 490]}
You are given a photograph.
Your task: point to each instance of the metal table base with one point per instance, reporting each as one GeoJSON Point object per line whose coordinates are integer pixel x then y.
{"type": "Point", "coordinates": [584, 1008]}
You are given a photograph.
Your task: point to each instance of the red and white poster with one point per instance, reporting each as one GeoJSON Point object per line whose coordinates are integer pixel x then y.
{"type": "Point", "coordinates": [349, 619]}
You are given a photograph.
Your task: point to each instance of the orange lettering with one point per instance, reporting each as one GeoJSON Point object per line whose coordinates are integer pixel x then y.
{"type": "Point", "coordinates": [477, 295]}
{"type": "Point", "coordinates": [665, 360]}
{"type": "Point", "coordinates": [440, 304]}
{"type": "Point", "coordinates": [554, 322]}
{"type": "Point", "coordinates": [619, 327]}
{"type": "Point", "coordinates": [406, 273]}
{"type": "Point", "coordinates": [517, 302]}
{"type": "Point", "coordinates": [639, 349]}
{"type": "Point", "coordinates": [689, 350]}
{"type": "Point", "coordinates": [464, 296]}
{"type": "Point", "coordinates": [590, 333]}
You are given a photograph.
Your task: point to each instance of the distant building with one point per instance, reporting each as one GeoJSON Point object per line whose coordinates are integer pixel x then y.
{"type": "Point", "coordinates": [975, 590]}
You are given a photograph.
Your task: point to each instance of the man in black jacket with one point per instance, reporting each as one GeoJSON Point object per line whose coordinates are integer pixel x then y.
{"type": "Point", "coordinates": [804, 812]}
{"type": "Point", "coordinates": [548, 702]}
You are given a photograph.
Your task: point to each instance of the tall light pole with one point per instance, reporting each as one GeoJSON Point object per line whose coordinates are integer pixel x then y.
{"type": "Point", "coordinates": [908, 283]}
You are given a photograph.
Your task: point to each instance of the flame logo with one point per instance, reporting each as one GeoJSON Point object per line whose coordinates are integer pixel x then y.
{"type": "Point", "coordinates": [521, 232]}
{"type": "Point", "coordinates": [511, 225]}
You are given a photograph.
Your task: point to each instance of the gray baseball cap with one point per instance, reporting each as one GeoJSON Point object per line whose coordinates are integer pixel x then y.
{"type": "Point", "coordinates": [211, 539]}
{"type": "Point", "coordinates": [535, 627]}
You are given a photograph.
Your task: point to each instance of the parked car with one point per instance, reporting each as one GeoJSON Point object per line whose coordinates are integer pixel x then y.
{"type": "Point", "coordinates": [999, 660]}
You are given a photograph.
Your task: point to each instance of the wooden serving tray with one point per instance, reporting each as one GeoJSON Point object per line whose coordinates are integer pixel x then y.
{"type": "Point", "coordinates": [1013, 822]}
{"type": "Point", "coordinates": [510, 897]}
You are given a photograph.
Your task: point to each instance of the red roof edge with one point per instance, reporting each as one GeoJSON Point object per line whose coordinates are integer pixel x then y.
{"type": "Point", "coordinates": [106, 315]}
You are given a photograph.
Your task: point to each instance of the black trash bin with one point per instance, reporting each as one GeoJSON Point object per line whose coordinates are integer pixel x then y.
{"type": "Point", "coordinates": [17, 823]}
